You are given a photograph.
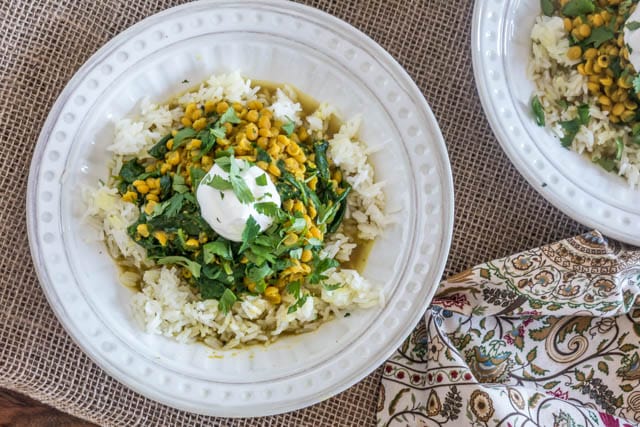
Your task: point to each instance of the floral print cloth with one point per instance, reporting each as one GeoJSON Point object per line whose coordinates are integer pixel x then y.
{"type": "Point", "coordinates": [548, 337]}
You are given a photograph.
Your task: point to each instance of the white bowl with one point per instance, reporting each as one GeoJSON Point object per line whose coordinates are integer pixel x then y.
{"type": "Point", "coordinates": [583, 190]}
{"type": "Point", "coordinates": [277, 41]}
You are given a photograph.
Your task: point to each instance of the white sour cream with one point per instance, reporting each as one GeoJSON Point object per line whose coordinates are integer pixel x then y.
{"type": "Point", "coordinates": [632, 39]}
{"type": "Point", "coordinates": [222, 209]}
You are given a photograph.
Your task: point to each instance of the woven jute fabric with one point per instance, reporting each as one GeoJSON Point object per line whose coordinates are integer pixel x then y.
{"type": "Point", "coordinates": [44, 42]}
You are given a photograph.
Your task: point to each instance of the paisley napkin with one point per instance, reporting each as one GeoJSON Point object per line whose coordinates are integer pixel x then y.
{"type": "Point", "coordinates": [548, 337]}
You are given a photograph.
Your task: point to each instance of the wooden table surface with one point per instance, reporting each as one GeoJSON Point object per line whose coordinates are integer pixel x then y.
{"type": "Point", "coordinates": [17, 410]}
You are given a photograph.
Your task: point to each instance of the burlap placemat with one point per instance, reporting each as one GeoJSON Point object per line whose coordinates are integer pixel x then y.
{"type": "Point", "coordinates": [43, 43]}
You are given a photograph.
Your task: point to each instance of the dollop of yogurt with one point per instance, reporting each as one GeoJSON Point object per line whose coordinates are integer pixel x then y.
{"type": "Point", "coordinates": [632, 38]}
{"type": "Point", "coordinates": [222, 209]}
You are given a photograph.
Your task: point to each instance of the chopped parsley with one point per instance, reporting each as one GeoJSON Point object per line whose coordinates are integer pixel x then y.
{"type": "Point", "coordinates": [538, 111]}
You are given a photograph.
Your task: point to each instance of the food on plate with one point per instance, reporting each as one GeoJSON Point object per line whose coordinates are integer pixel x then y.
{"type": "Point", "coordinates": [585, 58]}
{"type": "Point", "coordinates": [239, 212]}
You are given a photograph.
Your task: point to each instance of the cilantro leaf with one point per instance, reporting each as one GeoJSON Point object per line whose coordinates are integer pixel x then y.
{"type": "Point", "coordinates": [172, 206]}
{"type": "Point", "coordinates": [633, 25]}
{"type": "Point", "coordinates": [258, 274]}
{"type": "Point", "coordinates": [296, 253]}
{"type": "Point", "coordinates": [547, 7]}
{"type": "Point", "coordinates": [583, 114]}
{"type": "Point", "coordinates": [332, 287]}
{"type": "Point", "coordinates": [269, 209]}
{"type": "Point", "coordinates": [571, 128]}
{"type": "Point", "coordinates": [219, 248]}
{"type": "Point", "coordinates": [607, 164]}
{"type": "Point", "coordinates": [299, 303]}
{"type": "Point", "coordinates": [218, 132]}
{"type": "Point", "coordinates": [229, 116]}
{"type": "Point", "coordinates": [319, 267]}
{"type": "Point", "coordinates": [262, 180]}
{"type": "Point", "coordinates": [249, 234]}
{"type": "Point", "coordinates": [538, 111]}
{"type": "Point", "coordinates": [578, 7]}
{"type": "Point", "coordinates": [599, 36]}
{"type": "Point", "coordinates": [226, 301]}
{"type": "Point", "coordinates": [636, 83]}
{"type": "Point", "coordinates": [219, 183]}
{"type": "Point", "coordinates": [240, 187]}
{"type": "Point", "coordinates": [297, 225]}
{"type": "Point", "coordinates": [293, 288]}
{"type": "Point", "coordinates": [197, 175]}
{"type": "Point", "coordinates": [289, 127]}
{"type": "Point", "coordinates": [185, 262]}
{"type": "Point", "coordinates": [619, 148]}
{"type": "Point", "coordinates": [179, 184]}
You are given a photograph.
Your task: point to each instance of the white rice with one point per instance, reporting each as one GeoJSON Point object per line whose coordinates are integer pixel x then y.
{"type": "Point", "coordinates": [549, 68]}
{"type": "Point", "coordinates": [167, 305]}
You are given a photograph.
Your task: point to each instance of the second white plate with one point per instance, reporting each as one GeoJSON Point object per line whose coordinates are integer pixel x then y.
{"type": "Point", "coordinates": [584, 191]}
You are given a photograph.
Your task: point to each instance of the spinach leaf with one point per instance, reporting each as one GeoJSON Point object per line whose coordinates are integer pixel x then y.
{"type": "Point", "coordinates": [578, 7]}
{"type": "Point", "coordinates": [130, 171]}
{"type": "Point", "coordinates": [320, 149]}
{"type": "Point", "coordinates": [160, 148]}
{"type": "Point", "coordinates": [165, 186]}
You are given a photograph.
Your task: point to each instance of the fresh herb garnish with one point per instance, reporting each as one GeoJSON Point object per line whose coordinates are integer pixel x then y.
{"type": "Point", "coordinates": [249, 234]}
{"type": "Point", "coordinates": [182, 135]}
{"type": "Point", "coordinates": [229, 116]}
{"type": "Point", "coordinates": [547, 7]}
{"type": "Point", "coordinates": [607, 164]}
{"type": "Point", "coordinates": [299, 303]}
{"type": "Point", "coordinates": [219, 183]}
{"type": "Point", "coordinates": [261, 180]}
{"type": "Point", "coordinates": [217, 248]}
{"type": "Point", "coordinates": [179, 184]}
{"type": "Point", "coordinates": [240, 187]}
{"type": "Point", "coordinates": [538, 111]}
{"type": "Point", "coordinates": [226, 301]}
{"type": "Point", "coordinates": [192, 266]}
{"type": "Point", "coordinates": [319, 267]}
{"type": "Point", "coordinates": [332, 287]}
{"type": "Point", "coordinates": [289, 127]}
{"type": "Point", "coordinates": [570, 128]}
{"type": "Point", "coordinates": [619, 148]}
{"type": "Point", "coordinates": [633, 25]}
{"type": "Point", "coordinates": [578, 7]}
{"type": "Point", "coordinates": [583, 114]}
{"type": "Point", "coordinates": [130, 171]}
{"type": "Point", "coordinates": [599, 36]}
